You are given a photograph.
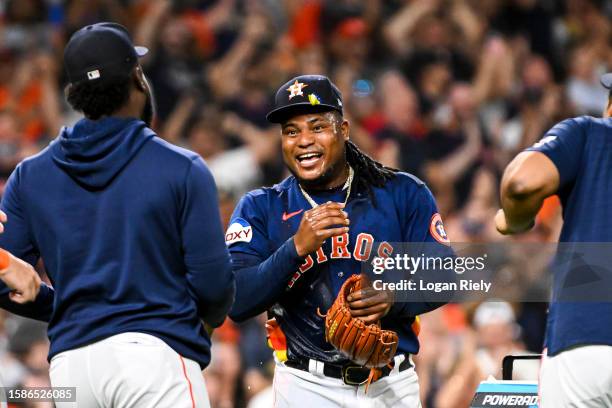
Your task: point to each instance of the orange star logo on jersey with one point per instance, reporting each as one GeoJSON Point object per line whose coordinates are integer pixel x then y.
{"type": "Point", "coordinates": [296, 89]}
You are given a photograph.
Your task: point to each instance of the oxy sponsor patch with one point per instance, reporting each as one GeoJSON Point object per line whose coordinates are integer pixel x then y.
{"type": "Point", "coordinates": [238, 231]}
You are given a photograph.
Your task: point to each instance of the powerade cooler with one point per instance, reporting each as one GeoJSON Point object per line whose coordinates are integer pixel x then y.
{"type": "Point", "coordinates": [507, 393]}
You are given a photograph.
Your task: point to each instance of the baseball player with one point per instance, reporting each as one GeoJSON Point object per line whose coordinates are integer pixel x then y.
{"type": "Point", "coordinates": [130, 233]}
{"type": "Point", "coordinates": [294, 244]}
{"type": "Point", "coordinates": [573, 160]}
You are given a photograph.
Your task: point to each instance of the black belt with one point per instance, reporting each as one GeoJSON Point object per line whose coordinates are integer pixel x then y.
{"type": "Point", "coordinates": [350, 373]}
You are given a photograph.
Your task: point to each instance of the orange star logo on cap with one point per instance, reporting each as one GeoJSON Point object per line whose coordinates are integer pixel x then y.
{"type": "Point", "coordinates": [296, 89]}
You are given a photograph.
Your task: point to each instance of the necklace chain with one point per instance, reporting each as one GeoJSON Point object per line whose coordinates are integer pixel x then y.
{"type": "Point", "coordinates": [347, 186]}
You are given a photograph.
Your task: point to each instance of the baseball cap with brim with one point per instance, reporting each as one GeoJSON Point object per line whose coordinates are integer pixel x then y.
{"type": "Point", "coordinates": [606, 80]}
{"type": "Point", "coordinates": [305, 94]}
{"type": "Point", "coordinates": [99, 52]}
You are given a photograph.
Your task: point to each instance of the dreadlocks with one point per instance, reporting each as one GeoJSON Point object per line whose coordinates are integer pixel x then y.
{"type": "Point", "coordinates": [368, 172]}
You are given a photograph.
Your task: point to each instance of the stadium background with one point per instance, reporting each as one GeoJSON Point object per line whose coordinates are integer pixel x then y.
{"type": "Point", "coordinates": [449, 90]}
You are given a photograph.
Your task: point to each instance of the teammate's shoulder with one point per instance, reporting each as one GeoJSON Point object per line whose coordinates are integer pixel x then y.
{"type": "Point", "coordinates": [42, 155]}
{"type": "Point", "coordinates": [581, 129]}
{"type": "Point", "coordinates": [578, 123]}
{"type": "Point", "coordinates": [37, 160]}
{"type": "Point", "coordinates": [597, 122]}
{"type": "Point", "coordinates": [171, 151]}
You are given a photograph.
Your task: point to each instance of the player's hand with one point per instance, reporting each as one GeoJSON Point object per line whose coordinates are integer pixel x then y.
{"type": "Point", "coordinates": [2, 221]}
{"type": "Point", "coordinates": [17, 275]}
{"type": "Point", "coordinates": [500, 223]}
{"type": "Point", "coordinates": [503, 227]}
{"type": "Point", "coordinates": [318, 224]}
{"type": "Point", "coordinates": [369, 304]}
{"type": "Point", "coordinates": [20, 277]}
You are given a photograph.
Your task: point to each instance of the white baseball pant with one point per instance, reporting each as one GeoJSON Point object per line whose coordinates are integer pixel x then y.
{"type": "Point", "coordinates": [580, 377]}
{"type": "Point", "coordinates": [296, 388]}
{"type": "Point", "coordinates": [2, 395]}
{"type": "Point", "coordinates": [129, 370]}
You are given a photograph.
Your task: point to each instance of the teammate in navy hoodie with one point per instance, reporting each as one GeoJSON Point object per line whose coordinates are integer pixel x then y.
{"type": "Point", "coordinates": [130, 233]}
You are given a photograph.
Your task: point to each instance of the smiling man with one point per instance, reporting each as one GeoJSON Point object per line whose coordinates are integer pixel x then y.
{"type": "Point", "coordinates": [293, 246]}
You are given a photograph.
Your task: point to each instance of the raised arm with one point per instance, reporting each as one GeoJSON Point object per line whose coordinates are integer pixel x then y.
{"type": "Point", "coordinates": [399, 28]}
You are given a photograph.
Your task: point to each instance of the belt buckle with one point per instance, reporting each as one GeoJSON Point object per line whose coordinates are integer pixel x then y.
{"type": "Point", "coordinates": [346, 375]}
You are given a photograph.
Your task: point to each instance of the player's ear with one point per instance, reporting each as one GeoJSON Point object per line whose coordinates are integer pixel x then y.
{"type": "Point", "coordinates": [608, 111]}
{"type": "Point", "coordinates": [67, 90]}
{"type": "Point", "coordinates": [138, 77]}
{"type": "Point", "coordinates": [345, 129]}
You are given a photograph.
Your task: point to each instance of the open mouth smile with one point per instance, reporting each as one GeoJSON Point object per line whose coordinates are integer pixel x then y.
{"type": "Point", "coordinates": [309, 160]}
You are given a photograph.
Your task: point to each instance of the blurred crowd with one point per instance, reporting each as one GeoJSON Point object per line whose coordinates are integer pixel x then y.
{"type": "Point", "coordinates": [449, 90]}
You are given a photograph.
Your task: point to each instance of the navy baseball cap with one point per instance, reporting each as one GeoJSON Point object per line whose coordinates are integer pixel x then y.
{"type": "Point", "coordinates": [100, 51]}
{"type": "Point", "coordinates": [305, 94]}
{"type": "Point", "coordinates": [606, 80]}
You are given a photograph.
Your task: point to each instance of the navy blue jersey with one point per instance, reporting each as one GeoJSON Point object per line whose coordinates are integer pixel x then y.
{"type": "Point", "coordinates": [128, 226]}
{"type": "Point", "coordinates": [581, 149]}
{"type": "Point", "coordinates": [270, 276]}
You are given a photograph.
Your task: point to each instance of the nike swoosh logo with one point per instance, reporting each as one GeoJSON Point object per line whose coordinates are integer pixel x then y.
{"type": "Point", "coordinates": [287, 216]}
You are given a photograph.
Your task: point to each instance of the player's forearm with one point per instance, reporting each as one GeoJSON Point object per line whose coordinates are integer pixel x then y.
{"type": "Point", "coordinates": [528, 180]}
{"type": "Point", "coordinates": [212, 285]}
{"type": "Point", "coordinates": [41, 309]}
{"type": "Point", "coordinates": [214, 313]}
{"type": "Point", "coordinates": [521, 212]}
{"type": "Point", "coordinates": [260, 286]}
{"type": "Point", "coordinates": [520, 203]}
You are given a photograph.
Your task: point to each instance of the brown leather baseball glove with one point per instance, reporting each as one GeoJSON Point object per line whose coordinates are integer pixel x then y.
{"type": "Point", "coordinates": [366, 345]}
